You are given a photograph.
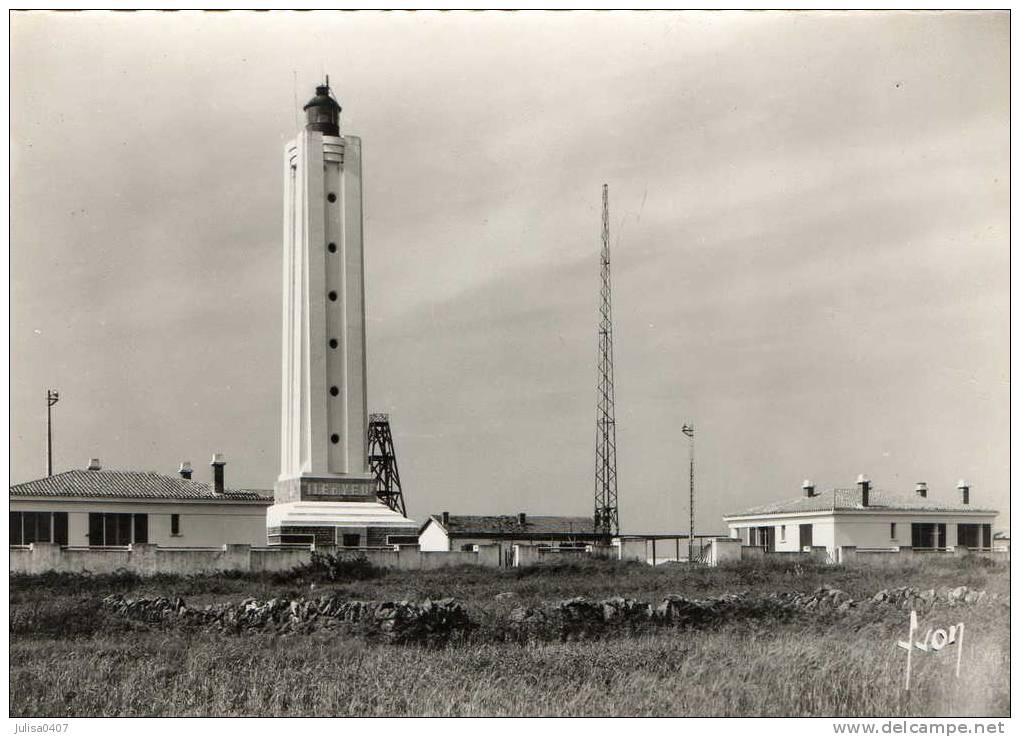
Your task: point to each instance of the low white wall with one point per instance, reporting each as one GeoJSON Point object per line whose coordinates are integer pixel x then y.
{"type": "Point", "coordinates": [148, 559]}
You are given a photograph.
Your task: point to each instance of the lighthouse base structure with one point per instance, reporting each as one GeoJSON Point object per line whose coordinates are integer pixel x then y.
{"type": "Point", "coordinates": [333, 510]}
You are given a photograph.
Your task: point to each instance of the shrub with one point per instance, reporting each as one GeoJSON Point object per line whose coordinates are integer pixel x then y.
{"type": "Point", "coordinates": [339, 566]}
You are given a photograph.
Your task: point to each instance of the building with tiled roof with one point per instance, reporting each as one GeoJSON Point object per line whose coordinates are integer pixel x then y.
{"type": "Point", "coordinates": [94, 507]}
{"type": "Point", "coordinates": [867, 518]}
{"type": "Point", "coordinates": [463, 531]}
{"type": "Point", "coordinates": [103, 484]}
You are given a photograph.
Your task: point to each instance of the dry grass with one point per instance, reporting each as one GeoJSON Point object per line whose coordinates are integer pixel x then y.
{"type": "Point", "coordinates": [825, 666]}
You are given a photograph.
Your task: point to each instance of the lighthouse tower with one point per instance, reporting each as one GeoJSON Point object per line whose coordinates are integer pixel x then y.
{"type": "Point", "coordinates": [325, 491]}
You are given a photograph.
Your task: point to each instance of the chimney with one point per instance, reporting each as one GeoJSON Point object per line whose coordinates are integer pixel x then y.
{"type": "Point", "coordinates": [964, 491]}
{"type": "Point", "coordinates": [865, 486]}
{"type": "Point", "coordinates": [217, 464]}
{"type": "Point", "coordinates": [185, 470]}
{"type": "Point", "coordinates": [921, 489]}
{"type": "Point", "coordinates": [521, 518]}
{"type": "Point", "coordinates": [809, 488]}
{"type": "Point", "coordinates": [94, 465]}
{"type": "Point", "coordinates": [446, 519]}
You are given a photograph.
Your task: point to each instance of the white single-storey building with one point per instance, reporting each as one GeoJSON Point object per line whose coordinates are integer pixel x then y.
{"type": "Point", "coordinates": [866, 518]}
{"type": "Point", "coordinates": [99, 508]}
{"type": "Point", "coordinates": [444, 532]}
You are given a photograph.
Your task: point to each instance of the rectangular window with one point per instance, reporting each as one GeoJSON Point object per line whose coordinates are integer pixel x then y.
{"type": "Point", "coordinates": [928, 535]}
{"type": "Point", "coordinates": [60, 528]}
{"type": "Point", "coordinates": [763, 537]}
{"type": "Point", "coordinates": [108, 529]}
{"type": "Point", "coordinates": [467, 547]}
{"type": "Point", "coordinates": [95, 529]}
{"type": "Point", "coordinates": [38, 527]}
{"type": "Point", "coordinates": [782, 533]}
{"type": "Point", "coordinates": [986, 536]}
{"type": "Point", "coordinates": [806, 536]}
{"type": "Point", "coordinates": [16, 537]}
{"type": "Point", "coordinates": [968, 536]}
{"type": "Point", "coordinates": [892, 530]}
{"type": "Point", "coordinates": [175, 524]}
{"type": "Point", "coordinates": [351, 541]}
{"type": "Point", "coordinates": [141, 528]}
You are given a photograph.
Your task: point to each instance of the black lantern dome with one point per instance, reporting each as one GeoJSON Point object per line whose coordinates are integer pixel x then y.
{"type": "Point", "coordinates": [323, 112]}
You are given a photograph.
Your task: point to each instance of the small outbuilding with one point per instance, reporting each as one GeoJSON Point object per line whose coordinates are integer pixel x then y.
{"type": "Point", "coordinates": [445, 531]}
{"type": "Point", "coordinates": [866, 518]}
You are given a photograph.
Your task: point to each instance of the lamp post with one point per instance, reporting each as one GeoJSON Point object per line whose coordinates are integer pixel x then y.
{"type": "Point", "coordinates": [688, 430]}
{"type": "Point", "coordinates": [52, 397]}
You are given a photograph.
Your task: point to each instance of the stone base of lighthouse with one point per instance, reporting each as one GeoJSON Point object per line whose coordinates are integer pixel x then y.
{"type": "Point", "coordinates": [337, 510]}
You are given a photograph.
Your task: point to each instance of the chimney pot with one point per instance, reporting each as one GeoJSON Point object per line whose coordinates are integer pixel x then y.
{"type": "Point", "coordinates": [94, 465]}
{"type": "Point", "coordinates": [808, 487]}
{"type": "Point", "coordinates": [521, 518]}
{"type": "Point", "coordinates": [921, 489]}
{"type": "Point", "coordinates": [217, 464]}
{"type": "Point", "coordinates": [446, 519]}
{"type": "Point", "coordinates": [185, 470]}
{"type": "Point", "coordinates": [865, 486]}
{"type": "Point", "coordinates": [964, 488]}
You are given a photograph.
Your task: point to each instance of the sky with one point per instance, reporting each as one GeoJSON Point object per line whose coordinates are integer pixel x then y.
{"type": "Point", "coordinates": [809, 221]}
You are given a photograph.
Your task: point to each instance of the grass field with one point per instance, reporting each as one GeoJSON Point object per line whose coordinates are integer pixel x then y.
{"type": "Point", "coordinates": [70, 657]}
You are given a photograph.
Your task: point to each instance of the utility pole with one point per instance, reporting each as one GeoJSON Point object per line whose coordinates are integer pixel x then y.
{"type": "Point", "coordinates": [52, 397]}
{"type": "Point", "coordinates": [607, 517]}
{"type": "Point", "coordinates": [688, 430]}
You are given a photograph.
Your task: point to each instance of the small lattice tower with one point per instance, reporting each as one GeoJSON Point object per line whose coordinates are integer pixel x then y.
{"type": "Point", "coordinates": [382, 461]}
{"type": "Point", "coordinates": [607, 517]}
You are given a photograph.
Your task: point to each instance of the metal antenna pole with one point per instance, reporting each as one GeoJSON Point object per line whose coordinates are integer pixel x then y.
{"type": "Point", "coordinates": [52, 397]}
{"type": "Point", "coordinates": [688, 430]}
{"type": "Point", "coordinates": [607, 517]}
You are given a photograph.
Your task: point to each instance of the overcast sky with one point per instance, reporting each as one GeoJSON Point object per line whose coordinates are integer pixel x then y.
{"type": "Point", "coordinates": [810, 247]}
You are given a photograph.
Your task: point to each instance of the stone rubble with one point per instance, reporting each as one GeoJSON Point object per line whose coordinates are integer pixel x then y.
{"type": "Point", "coordinates": [397, 621]}
{"type": "Point", "coordinates": [437, 621]}
{"type": "Point", "coordinates": [578, 616]}
{"type": "Point", "coordinates": [909, 597]}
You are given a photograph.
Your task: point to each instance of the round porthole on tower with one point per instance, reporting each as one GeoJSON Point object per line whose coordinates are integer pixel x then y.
{"type": "Point", "coordinates": [333, 343]}
{"type": "Point", "coordinates": [331, 197]}
{"type": "Point", "coordinates": [333, 391]}
{"type": "Point", "coordinates": [334, 438]}
{"type": "Point", "coordinates": [332, 247]}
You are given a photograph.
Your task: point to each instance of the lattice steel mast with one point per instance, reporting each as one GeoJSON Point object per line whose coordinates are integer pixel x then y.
{"type": "Point", "coordinates": [382, 461]}
{"type": "Point", "coordinates": [607, 517]}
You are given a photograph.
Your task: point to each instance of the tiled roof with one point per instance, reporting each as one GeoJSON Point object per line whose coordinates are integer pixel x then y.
{"type": "Point", "coordinates": [131, 485]}
{"type": "Point", "coordinates": [836, 500]}
{"type": "Point", "coordinates": [466, 525]}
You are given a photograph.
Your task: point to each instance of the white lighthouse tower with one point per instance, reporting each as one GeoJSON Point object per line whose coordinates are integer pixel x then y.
{"type": "Point", "coordinates": [325, 492]}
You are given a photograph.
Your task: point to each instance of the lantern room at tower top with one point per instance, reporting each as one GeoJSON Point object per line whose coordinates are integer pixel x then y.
{"type": "Point", "coordinates": [325, 488]}
{"type": "Point", "coordinates": [322, 112]}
